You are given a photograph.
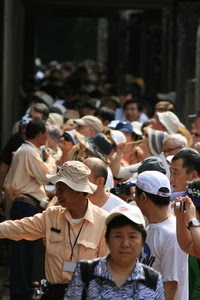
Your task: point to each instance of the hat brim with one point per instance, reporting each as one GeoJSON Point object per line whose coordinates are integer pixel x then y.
{"type": "Point", "coordinates": [174, 195]}
{"type": "Point", "coordinates": [169, 159]}
{"type": "Point", "coordinates": [112, 216]}
{"type": "Point", "coordinates": [170, 126]}
{"type": "Point", "coordinates": [80, 122]}
{"type": "Point", "coordinates": [89, 187]}
{"type": "Point", "coordinates": [91, 147]}
{"type": "Point", "coordinates": [130, 216]}
{"type": "Point", "coordinates": [134, 168]}
{"type": "Point", "coordinates": [124, 129]}
{"type": "Point", "coordinates": [194, 199]}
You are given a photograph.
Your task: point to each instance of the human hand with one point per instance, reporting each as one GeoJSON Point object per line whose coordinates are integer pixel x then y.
{"type": "Point", "coordinates": [190, 210]}
{"type": "Point", "coordinates": [120, 149]}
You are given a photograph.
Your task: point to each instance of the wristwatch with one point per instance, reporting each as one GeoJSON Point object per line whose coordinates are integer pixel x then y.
{"type": "Point", "coordinates": [194, 223]}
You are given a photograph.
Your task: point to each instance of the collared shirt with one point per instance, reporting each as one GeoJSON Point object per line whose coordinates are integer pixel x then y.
{"type": "Point", "coordinates": [53, 224]}
{"type": "Point", "coordinates": [103, 287]}
{"type": "Point", "coordinates": [27, 173]}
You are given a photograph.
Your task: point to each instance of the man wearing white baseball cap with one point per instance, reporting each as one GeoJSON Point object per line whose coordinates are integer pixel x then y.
{"type": "Point", "coordinates": [161, 251]}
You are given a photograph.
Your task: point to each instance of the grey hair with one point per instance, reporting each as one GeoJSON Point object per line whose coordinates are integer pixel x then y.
{"type": "Point", "coordinates": [54, 131]}
{"type": "Point", "coordinates": [177, 138]}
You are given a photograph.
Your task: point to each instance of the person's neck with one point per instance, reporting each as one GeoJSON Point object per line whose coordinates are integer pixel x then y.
{"type": "Point", "coordinates": [158, 214]}
{"type": "Point", "coordinates": [64, 157]}
{"type": "Point", "coordinates": [120, 268]}
{"type": "Point", "coordinates": [34, 142]}
{"type": "Point", "coordinates": [79, 211]}
{"type": "Point", "coordinates": [99, 197]}
{"type": "Point", "coordinates": [120, 272]}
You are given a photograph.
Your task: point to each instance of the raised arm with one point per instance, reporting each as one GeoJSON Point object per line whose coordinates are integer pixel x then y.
{"type": "Point", "coordinates": [188, 239]}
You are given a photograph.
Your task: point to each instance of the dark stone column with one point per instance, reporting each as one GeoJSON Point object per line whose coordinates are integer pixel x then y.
{"type": "Point", "coordinates": [12, 64]}
{"type": "Point", "coordinates": [1, 66]}
{"type": "Point", "coordinates": [115, 47]}
{"type": "Point", "coordinates": [190, 101]}
{"type": "Point", "coordinates": [29, 42]}
{"type": "Point", "coordinates": [168, 59]}
{"type": "Point", "coordinates": [187, 22]}
{"type": "Point", "coordinates": [197, 71]}
{"type": "Point", "coordinates": [150, 55]}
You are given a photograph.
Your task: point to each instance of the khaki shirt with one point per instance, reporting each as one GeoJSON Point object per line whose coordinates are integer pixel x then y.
{"type": "Point", "coordinates": [54, 224]}
{"type": "Point", "coordinates": [27, 173]}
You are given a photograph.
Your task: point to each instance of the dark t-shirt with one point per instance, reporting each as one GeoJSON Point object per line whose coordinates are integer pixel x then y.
{"type": "Point", "coordinates": [12, 145]}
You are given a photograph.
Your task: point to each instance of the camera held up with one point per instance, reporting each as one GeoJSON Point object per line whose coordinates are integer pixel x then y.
{"type": "Point", "coordinates": [180, 205]}
{"type": "Point", "coordinates": [122, 188]}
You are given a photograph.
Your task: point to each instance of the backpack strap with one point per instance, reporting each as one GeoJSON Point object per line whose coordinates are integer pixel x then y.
{"type": "Point", "coordinates": [87, 274]}
{"type": "Point", "coordinates": [151, 277]}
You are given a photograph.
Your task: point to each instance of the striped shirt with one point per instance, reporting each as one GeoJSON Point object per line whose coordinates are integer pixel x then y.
{"type": "Point", "coordinates": [103, 286]}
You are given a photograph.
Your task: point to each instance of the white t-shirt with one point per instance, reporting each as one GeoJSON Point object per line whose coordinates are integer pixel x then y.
{"type": "Point", "coordinates": [110, 181]}
{"type": "Point", "coordinates": [163, 253]}
{"type": "Point", "coordinates": [112, 202]}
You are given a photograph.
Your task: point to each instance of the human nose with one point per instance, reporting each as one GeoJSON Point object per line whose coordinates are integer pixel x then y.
{"type": "Point", "coordinates": [125, 242]}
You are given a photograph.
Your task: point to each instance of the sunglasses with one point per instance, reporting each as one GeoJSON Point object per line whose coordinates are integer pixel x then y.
{"type": "Point", "coordinates": [67, 137]}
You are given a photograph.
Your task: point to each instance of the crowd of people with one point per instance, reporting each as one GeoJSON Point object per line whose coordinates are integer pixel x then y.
{"type": "Point", "coordinates": [108, 183]}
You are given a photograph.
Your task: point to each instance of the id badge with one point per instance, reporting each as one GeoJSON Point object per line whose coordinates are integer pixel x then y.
{"type": "Point", "coordinates": [69, 266]}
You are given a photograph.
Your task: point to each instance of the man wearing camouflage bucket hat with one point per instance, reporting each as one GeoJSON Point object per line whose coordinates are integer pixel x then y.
{"type": "Point", "coordinates": [73, 230]}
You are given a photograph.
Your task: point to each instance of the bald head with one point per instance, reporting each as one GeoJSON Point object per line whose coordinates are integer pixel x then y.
{"type": "Point", "coordinates": [97, 166]}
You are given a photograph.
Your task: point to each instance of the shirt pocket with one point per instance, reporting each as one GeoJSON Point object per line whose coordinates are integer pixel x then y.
{"type": "Point", "coordinates": [89, 249]}
{"type": "Point", "coordinates": [54, 243]}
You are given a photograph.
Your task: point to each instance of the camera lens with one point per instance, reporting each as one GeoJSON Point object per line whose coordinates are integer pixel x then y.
{"type": "Point", "coordinates": [180, 205]}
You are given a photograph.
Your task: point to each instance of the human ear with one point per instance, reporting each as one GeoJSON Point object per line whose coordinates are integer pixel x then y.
{"type": "Point", "coordinates": [194, 174]}
{"type": "Point", "coordinates": [144, 196]}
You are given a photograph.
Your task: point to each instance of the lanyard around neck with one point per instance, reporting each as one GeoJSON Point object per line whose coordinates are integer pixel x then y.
{"type": "Point", "coordinates": [76, 239]}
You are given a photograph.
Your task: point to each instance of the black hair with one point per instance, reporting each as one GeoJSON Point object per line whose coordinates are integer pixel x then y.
{"type": "Point", "coordinates": [194, 184]}
{"type": "Point", "coordinates": [121, 221]}
{"type": "Point", "coordinates": [55, 109]}
{"type": "Point", "coordinates": [35, 127]}
{"type": "Point", "coordinates": [140, 105]}
{"type": "Point", "coordinates": [190, 158]}
{"type": "Point", "coordinates": [43, 109]}
{"type": "Point", "coordinates": [106, 114]}
{"type": "Point", "coordinates": [29, 99]}
{"type": "Point", "coordinates": [156, 199]}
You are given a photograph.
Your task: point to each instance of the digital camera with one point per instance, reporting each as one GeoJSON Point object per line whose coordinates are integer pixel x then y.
{"type": "Point", "coordinates": [122, 188]}
{"type": "Point", "coordinates": [180, 205]}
